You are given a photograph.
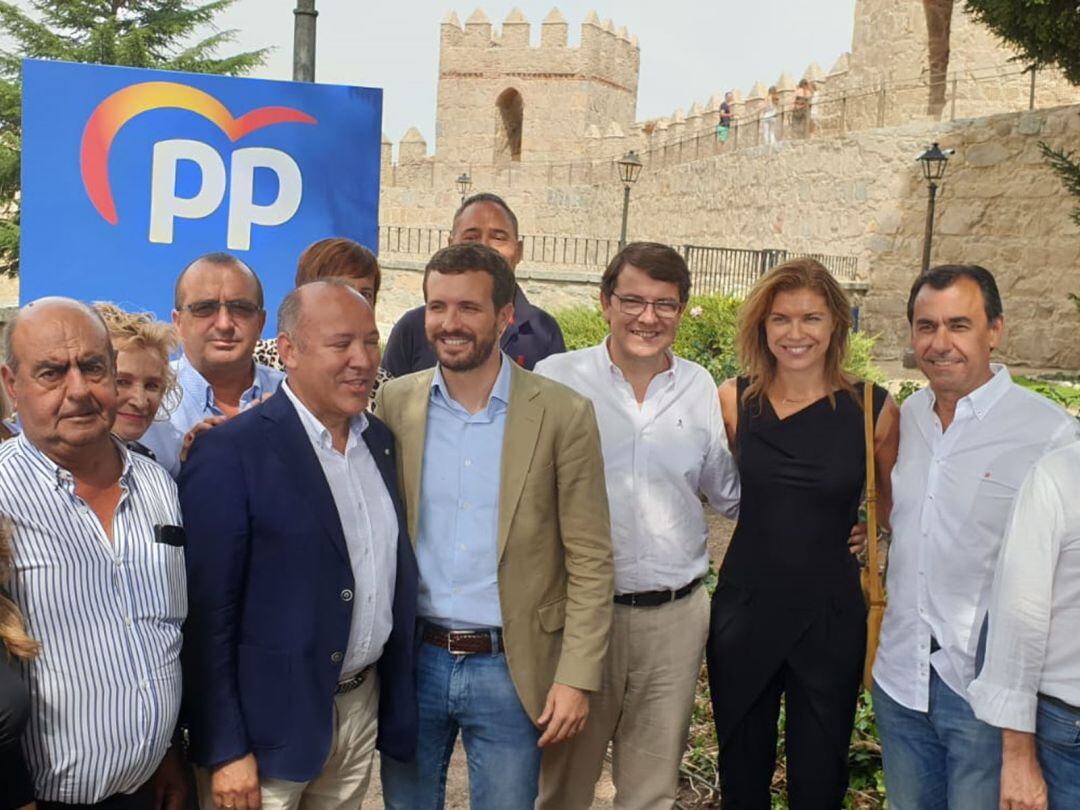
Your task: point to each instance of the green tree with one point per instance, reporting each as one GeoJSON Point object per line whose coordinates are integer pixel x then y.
{"type": "Point", "coordinates": [1046, 33]}
{"type": "Point", "coordinates": [163, 34]}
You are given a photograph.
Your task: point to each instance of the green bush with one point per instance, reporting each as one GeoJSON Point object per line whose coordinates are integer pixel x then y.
{"type": "Point", "coordinates": [706, 336]}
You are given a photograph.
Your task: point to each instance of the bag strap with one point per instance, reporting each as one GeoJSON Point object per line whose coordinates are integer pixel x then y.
{"type": "Point", "coordinates": [877, 589]}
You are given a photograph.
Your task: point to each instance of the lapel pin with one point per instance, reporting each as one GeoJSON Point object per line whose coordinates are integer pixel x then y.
{"type": "Point", "coordinates": [386, 451]}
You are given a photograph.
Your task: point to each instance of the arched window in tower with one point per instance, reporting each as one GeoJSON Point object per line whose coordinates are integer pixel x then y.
{"type": "Point", "coordinates": [508, 126]}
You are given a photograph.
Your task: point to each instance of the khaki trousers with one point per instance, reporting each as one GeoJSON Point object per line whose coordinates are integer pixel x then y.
{"type": "Point", "coordinates": [643, 709]}
{"type": "Point", "coordinates": [344, 779]}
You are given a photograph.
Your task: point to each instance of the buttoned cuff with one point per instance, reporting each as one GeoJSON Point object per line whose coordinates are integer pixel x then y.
{"type": "Point", "coordinates": [1002, 707]}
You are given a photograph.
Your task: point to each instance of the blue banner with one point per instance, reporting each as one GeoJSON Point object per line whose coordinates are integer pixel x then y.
{"type": "Point", "coordinates": [128, 175]}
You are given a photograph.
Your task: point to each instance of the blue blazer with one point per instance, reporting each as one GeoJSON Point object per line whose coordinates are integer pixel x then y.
{"type": "Point", "coordinates": [269, 593]}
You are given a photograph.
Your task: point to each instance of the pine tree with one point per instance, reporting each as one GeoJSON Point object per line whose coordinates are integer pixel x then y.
{"type": "Point", "coordinates": [1046, 33]}
{"type": "Point", "coordinates": [162, 34]}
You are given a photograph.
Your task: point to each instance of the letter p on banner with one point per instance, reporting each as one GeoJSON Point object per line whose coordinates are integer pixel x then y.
{"type": "Point", "coordinates": [243, 211]}
{"type": "Point", "coordinates": [129, 175]}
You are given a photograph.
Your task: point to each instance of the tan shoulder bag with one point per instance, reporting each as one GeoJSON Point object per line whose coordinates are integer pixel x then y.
{"type": "Point", "coordinates": [873, 587]}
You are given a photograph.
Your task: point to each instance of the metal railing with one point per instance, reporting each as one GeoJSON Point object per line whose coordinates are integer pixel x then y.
{"type": "Point", "coordinates": [732, 271]}
{"type": "Point", "coordinates": [712, 269]}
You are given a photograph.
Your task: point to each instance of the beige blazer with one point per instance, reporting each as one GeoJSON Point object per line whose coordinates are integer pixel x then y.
{"type": "Point", "coordinates": [556, 575]}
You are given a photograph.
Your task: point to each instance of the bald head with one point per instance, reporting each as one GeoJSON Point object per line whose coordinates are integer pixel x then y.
{"type": "Point", "coordinates": [216, 259]}
{"type": "Point", "coordinates": [329, 345]}
{"type": "Point", "coordinates": [60, 373]}
{"type": "Point", "coordinates": [49, 308]}
{"type": "Point", "coordinates": [311, 297]}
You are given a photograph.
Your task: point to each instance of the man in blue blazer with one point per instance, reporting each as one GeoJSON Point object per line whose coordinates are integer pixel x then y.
{"type": "Point", "coordinates": [298, 647]}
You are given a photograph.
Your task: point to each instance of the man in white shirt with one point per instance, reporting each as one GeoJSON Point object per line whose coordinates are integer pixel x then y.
{"type": "Point", "coordinates": [1030, 683]}
{"type": "Point", "coordinates": [966, 443]}
{"type": "Point", "coordinates": [663, 441]}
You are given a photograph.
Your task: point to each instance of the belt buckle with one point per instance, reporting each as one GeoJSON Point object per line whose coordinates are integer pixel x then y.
{"type": "Point", "coordinates": [450, 635]}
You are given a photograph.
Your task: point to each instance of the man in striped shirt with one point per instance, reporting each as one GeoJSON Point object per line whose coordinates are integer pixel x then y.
{"type": "Point", "coordinates": [99, 572]}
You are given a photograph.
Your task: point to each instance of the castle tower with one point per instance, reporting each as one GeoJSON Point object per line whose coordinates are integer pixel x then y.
{"type": "Point", "coordinates": [502, 100]}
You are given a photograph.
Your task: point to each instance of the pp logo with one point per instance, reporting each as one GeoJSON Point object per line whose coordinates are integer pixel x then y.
{"type": "Point", "coordinates": [165, 206]}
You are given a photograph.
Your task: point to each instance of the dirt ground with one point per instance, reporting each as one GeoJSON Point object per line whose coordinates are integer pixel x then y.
{"type": "Point", "coordinates": [457, 780]}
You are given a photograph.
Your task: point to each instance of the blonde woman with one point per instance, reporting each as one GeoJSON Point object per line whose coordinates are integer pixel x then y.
{"type": "Point", "coordinates": [144, 378]}
{"type": "Point", "coordinates": [16, 787]}
{"type": "Point", "coordinates": [788, 616]}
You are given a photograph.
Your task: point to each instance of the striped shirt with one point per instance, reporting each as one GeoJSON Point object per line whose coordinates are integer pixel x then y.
{"type": "Point", "coordinates": [105, 689]}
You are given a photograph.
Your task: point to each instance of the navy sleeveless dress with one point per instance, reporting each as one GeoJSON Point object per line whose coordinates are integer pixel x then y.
{"type": "Point", "coordinates": [788, 615]}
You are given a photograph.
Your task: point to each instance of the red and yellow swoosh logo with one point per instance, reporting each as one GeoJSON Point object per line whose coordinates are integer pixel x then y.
{"type": "Point", "coordinates": [125, 104]}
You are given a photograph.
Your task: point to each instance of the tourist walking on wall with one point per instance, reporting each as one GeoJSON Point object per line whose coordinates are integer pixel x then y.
{"type": "Point", "coordinates": [769, 116]}
{"type": "Point", "coordinates": [788, 615]}
{"type": "Point", "coordinates": [966, 443]}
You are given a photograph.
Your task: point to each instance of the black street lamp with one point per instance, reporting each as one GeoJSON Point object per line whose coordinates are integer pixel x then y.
{"type": "Point", "coordinates": [933, 162]}
{"type": "Point", "coordinates": [629, 169]}
{"type": "Point", "coordinates": [464, 183]}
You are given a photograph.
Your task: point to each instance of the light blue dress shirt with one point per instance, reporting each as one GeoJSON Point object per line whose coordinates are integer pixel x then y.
{"type": "Point", "coordinates": [197, 403]}
{"type": "Point", "coordinates": [456, 544]}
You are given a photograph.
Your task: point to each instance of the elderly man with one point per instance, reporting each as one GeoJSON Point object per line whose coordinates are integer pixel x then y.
{"type": "Point", "coordinates": [299, 646]}
{"type": "Point", "coordinates": [529, 337]}
{"type": "Point", "coordinates": [99, 572]}
{"type": "Point", "coordinates": [219, 314]}
{"type": "Point", "coordinates": [966, 443]}
{"type": "Point", "coordinates": [504, 488]}
{"type": "Point", "coordinates": [1030, 684]}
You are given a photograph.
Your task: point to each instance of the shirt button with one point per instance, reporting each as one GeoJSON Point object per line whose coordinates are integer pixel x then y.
{"type": "Point", "coordinates": [464, 504]}
{"type": "Point", "coordinates": [127, 621]}
{"type": "Point", "coordinates": [346, 595]}
{"type": "Point", "coordinates": [468, 462]}
{"type": "Point", "coordinates": [336, 657]}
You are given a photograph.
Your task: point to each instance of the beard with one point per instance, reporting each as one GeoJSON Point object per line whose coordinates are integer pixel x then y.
{"type": "Point", "coordinates": [481, 349]}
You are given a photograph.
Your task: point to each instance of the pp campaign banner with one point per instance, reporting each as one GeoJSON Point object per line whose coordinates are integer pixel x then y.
{"type": "Point", "coordinates": [129, 174]}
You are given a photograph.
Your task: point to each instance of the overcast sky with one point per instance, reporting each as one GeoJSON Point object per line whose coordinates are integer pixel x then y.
{"type": "Point", "coordinates": [690, 49]}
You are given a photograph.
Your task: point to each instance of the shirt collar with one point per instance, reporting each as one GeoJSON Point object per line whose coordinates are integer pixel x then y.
{"type": "Point", "coordinates": [317, 432]}
{"type": "Point", "coordinates": [500, 391]}
{"type": "Point", "coordinates": [60, 476]}
{"type": "Point", "coordinates": [983, 398]}
{"type": "Point", "coordinates": [607, 365]}
{"type": "Point", "coordinates": [196, 385]}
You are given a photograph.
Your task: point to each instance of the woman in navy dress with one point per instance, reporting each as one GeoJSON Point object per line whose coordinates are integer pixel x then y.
{"type": "Point", "coordinates": [788, 616]}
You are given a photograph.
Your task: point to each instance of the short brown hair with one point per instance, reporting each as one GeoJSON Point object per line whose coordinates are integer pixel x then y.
{"type": "Point", "coordinates": [660, 262]}
{"type": "Point", "coordinates": [337, 257]}
{"type": "Point", "coordinates": [754, 354]}
{"type": "Point", "coordinates": [474, 257]}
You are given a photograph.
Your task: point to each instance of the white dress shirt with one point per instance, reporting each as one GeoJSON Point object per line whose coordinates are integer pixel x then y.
{"type": "Point", "coordinates": [371, 533]}
{"type": "Point", "coordinates": [1033, 643]}
{"type": "Point", "coordinates": [658, 457]}
{"type": "Point", "coordinates": [105, 689]}
{"type": "Point", "coordinates": [952, 493]}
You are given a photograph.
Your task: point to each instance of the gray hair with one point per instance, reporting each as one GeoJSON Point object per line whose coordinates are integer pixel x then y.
{"type": "Point", "coordinates": [10, 358]}
{"type": "Point", "coordinates": [290, 315]}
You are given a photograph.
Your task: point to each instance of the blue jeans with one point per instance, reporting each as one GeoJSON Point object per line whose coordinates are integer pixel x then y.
{"type": "Point", "coordinates": [473, 694]}
{"type": "Point", "coordinates": [943, 758]}
{"type": "Point", "coordinates": [1057, 741]}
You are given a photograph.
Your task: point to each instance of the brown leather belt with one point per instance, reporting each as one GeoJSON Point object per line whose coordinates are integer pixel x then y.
{"type": "Point", "coordinates": [464, 642]}
{"type": "Point", "coordinates": [354, 681]}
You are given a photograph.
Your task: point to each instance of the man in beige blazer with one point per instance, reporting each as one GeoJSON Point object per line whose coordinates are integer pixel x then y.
{"type": "Point", "coordinates": [503, 480]}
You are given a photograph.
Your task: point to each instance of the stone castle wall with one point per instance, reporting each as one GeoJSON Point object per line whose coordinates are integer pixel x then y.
{"type": "Point", "coordinates": [860, 194]}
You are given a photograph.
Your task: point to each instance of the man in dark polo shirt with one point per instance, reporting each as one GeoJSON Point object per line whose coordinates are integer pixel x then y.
{"type": "Point", "coordinates": [532, 334]}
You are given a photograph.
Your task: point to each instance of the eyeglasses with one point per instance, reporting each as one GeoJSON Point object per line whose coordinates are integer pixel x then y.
{"type": "Point", "coordinates": [241, 309]}
{"type": "Point", "coordinates": [632, 305]}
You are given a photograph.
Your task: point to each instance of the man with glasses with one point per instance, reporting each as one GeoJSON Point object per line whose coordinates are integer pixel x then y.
{"type": "Point", "coordinates": [219, 314]}
{"type": "Point", "coordinates": [664, 445]}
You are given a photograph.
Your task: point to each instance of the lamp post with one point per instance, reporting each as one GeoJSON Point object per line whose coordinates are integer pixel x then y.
{"type": "Point", "coordinates": [464, 183]}
{"type": "Point", "coordinates": [629, 169]}
{"type": "Point", "coordinates": [304, 41]}
{"type": "Point", "coordinates": [933, 162]}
